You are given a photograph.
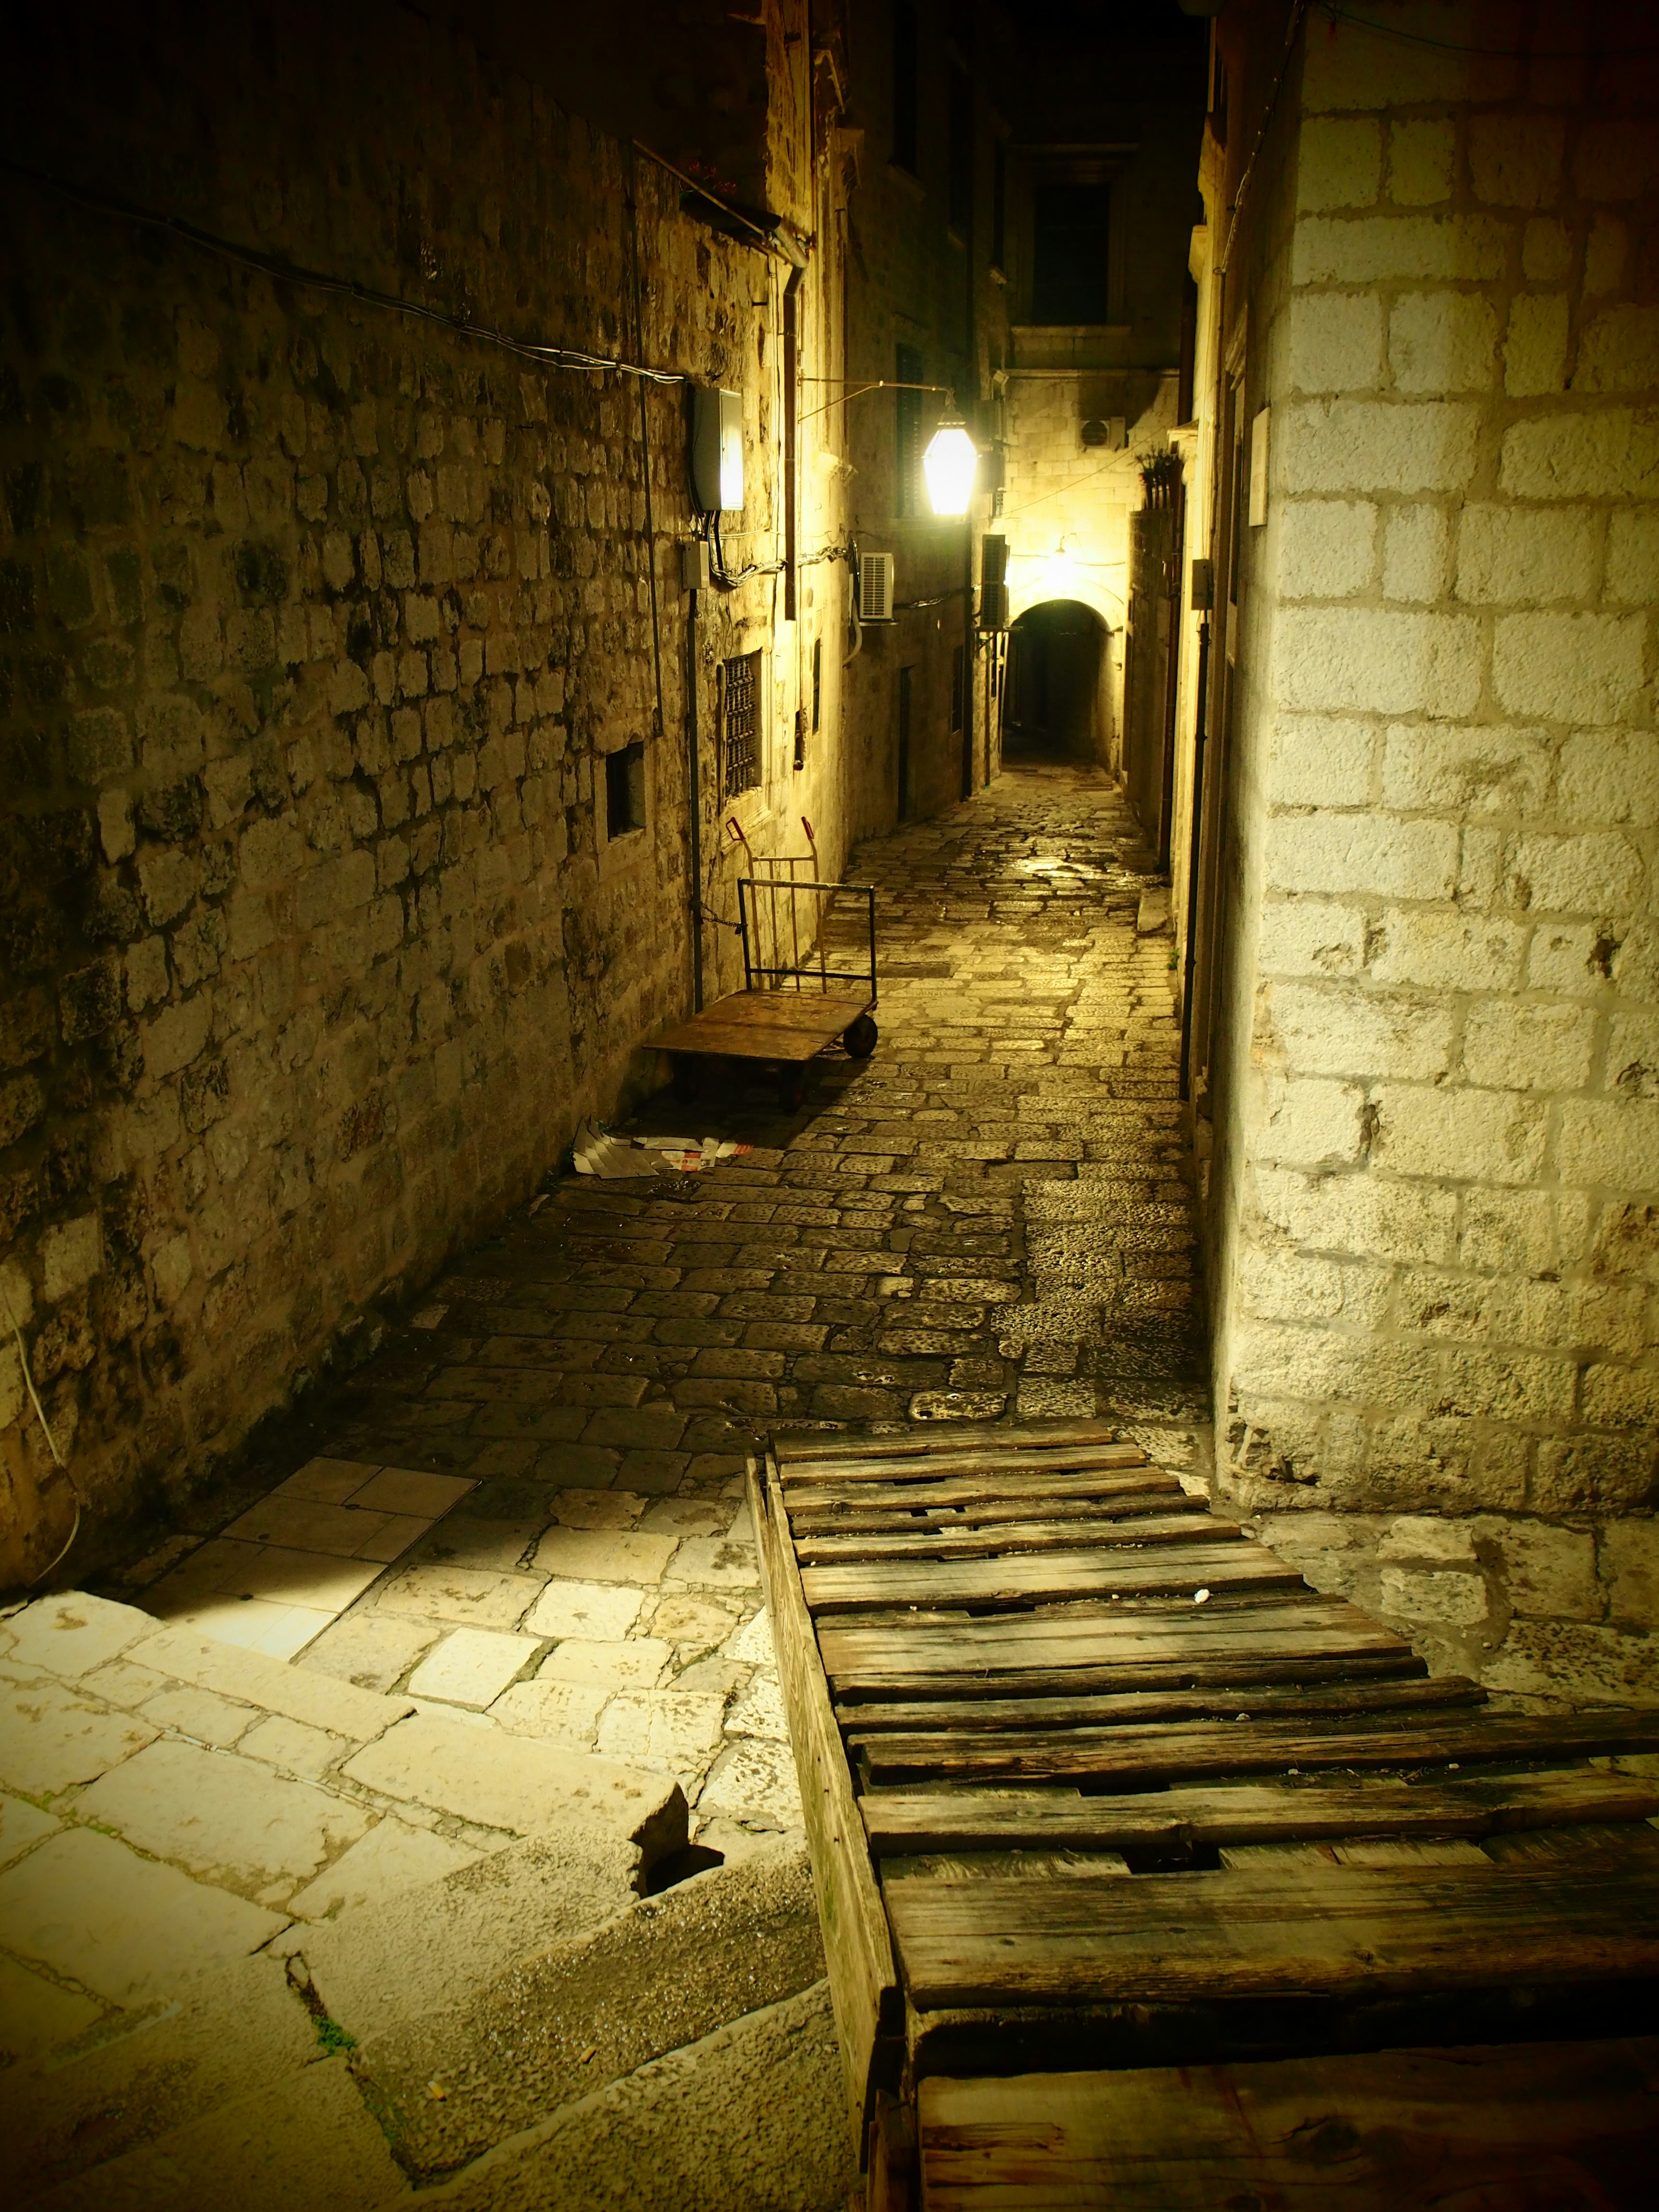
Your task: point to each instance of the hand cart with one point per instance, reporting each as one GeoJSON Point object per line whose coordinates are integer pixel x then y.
{"type": "Point", "coordinates": [800, 991]}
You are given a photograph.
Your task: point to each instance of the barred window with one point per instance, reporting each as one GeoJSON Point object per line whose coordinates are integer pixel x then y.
{"type": "Point", "coordinates": [740, 724]}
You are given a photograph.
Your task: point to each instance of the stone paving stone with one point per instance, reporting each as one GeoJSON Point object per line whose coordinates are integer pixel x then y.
{"type": "Point", "coordinates": [87, 1907]}
{"type": "Point", "coordinates": [753, 1784]}
{"type": "Point", "coordinates": [21, 1827]}
{"type": "Point", "coordinates": [759, 1711]}
{"type": "Point", "coordinates": [694, 1622]}
{"type": "Point", "coordinates": [474, 1599]}
{"type": "Point", "coordinates": [341, 1707]}
{"type": "Point", "coordinates": [599, 1611]}
{"type": "Point", "coordinates": [673, 1731]}
{"type": "Point", "coordinates": [391, 1858]}
{"type": "Point", "coordinates": [631, 1662]}
{"type": "Point", "coordinates": [35, 2013]}
{"type": "Point", "coordinates": [70, 1635]}
{"type": "Point", "coordinates": [295, 1749]}
{"type": "Point", "coordinates": [305, 2140]}
{"type": "Point", "coordinates": [717, 1562]}
{"type": "Point", "coordinates": [558, 1712]}
{"type": "Point", "coordinates": [460, 1769]}
{"type": "Point", "coordinates": [199, 1713]}
{"type": "Point", "coordinates": [53, 1737]}
{"type": "Point", "coordinates": [473, 1666]}
{"type": "Point", "coordinates": [373, 1650]}
{"type": "Point", "coordinates": [606, 1555]}
{"type": "Point", "coordinates": [226, 1818]}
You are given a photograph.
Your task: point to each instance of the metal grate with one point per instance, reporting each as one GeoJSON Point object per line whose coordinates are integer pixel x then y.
{"type": "Point", "coordinates": [740, 747]}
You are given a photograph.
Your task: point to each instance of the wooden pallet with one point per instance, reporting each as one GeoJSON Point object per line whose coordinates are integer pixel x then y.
{"type": "Point", "coordinates": [773, 1025]}
{"type": "Point", "coordinates": [1097, 1787]}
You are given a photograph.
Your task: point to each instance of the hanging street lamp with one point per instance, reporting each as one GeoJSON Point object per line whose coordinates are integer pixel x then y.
{"type": "Point", "coordinates": [951, 464]}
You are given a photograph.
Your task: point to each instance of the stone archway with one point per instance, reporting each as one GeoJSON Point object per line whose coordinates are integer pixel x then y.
{"type": "Point", "coordinates": [1057, 699]}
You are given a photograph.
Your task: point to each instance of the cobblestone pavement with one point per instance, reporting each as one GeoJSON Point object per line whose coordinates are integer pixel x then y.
{"type": "Point", "coordinates": [526, 1511]}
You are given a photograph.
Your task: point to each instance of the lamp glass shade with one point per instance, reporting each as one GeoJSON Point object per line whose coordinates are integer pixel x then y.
{"type": "Point", "coordinates": [949, 465]}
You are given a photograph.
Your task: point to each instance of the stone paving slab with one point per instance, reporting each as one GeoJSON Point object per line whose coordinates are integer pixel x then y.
{"type": "Point", "coordinates": [230, 1819]}
{"type": "Point", "coordinates": [437, 1762]}
{"type": "Point", "coordinates": [305, 2140]}
{"type": "Point", "coordinates": [341, 1708]}
{"type": "Point", "coordinates": [234, 2030]}
{"type": "Point", "coordinates": [127, 1930]}
{"type": "Point", "coordinates": [54, 1737]}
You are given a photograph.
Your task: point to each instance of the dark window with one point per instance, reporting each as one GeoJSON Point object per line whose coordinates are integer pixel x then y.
{"type": "Point", "coordinates": [1068, 282]}
{"type": "Point", "coordinates": [961, 212]}
{"type": "Point", "coordinates": [739, 724]}
{"type": "Point", "coordinates": [958, 684]}
{"type": "Point", "coordinates": [907, 374]}
{"type": "Point", "coordinates": [817, 683]}
{"type": "Point", "coordinates": [624, 791]}
{"type": "Point", "coordinates": [907, 86]}
{"type": "Point", "coordinates": [1000, 205]}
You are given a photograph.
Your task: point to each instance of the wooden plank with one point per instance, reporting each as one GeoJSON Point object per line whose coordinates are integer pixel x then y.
{"type": "Point", "coordinates": [926, 1491]}
{"type": "Point", "coordinates": [988, 1457]}
{"type": "Point", "coordinates": [1045, 1579]}
{"type": "Point", "coordinates": [1143, 1707]}
{"type": "Point", "coordinates": [949, 1436]}
{"type": "Point", "coordinates": [901, 1822]}
{"type": "Point", "coordinates": [1028, 1655]}
{"type": "Point", "coordinates": [1188, 1750]}
{"type": "Point", "coordinates": [1013, 1536]}
{"type": "Point", "coordinates": [1087, 1502]}
{"type": "Point", "coordinates": [1356, 1932]}
{"type": "Point", "coordinates": [863, 1977]}
{"type": "Point", "coordinates": [1492, 2128]}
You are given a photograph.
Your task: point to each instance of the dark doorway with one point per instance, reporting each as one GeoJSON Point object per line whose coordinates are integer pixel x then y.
{"type": "Point", "coordinates": [1056, 705]}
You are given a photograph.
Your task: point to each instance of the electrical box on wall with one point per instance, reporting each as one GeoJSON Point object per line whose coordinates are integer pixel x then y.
{"type": "Point", "coordinates": [1203, 586]}
{"type": "Point", "coordinates": [716, 450]}
{"type": "Point", "coordinates": [696, 564]}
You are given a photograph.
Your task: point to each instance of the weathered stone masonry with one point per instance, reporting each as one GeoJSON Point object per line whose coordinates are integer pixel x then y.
{"type": "Point", "coordinates": [1435, 1197]}
{"type": "Point", "coordinates": [317, 622]}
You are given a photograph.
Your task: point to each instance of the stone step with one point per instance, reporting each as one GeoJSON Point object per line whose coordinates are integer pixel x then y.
{"type": "Point", "coordinates": [751, 2119]}
{"type": "Point", "coordinates": [556, 2027]}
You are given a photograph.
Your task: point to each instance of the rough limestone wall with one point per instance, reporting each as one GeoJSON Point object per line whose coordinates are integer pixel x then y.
{"type": "Point", "coordinates": [317, 625]}
{"type": "Point", "coordinates": [1441, 1298]}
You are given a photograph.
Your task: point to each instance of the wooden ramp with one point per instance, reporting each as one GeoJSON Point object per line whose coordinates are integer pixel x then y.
{"type": "Point", "coordinates": [1145, 1870]}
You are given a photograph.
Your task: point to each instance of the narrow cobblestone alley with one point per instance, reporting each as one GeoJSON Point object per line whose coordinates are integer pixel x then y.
{"type": "Point", "coordinates": [989, 1215]}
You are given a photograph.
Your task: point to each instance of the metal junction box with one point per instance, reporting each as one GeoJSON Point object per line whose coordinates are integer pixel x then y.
{"type": "Point", "coordinates": [717, 450]}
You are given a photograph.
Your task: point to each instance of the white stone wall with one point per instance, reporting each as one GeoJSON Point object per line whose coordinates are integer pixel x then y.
{"type": "Point", "coordinates": [1441, 1249]}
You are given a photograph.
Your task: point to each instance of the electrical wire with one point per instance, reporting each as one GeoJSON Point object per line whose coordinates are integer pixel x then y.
{"type": "Point", "coordinates": [62, 1552]}
{"type": "Point", "coordinates": [1290, 29]}
{"type": "Point", "coordinates": [763, 238]}
{"type": "Point", "coordinates": [314, 280]}
{"type": "Point", "coordinates": [1489, 53]}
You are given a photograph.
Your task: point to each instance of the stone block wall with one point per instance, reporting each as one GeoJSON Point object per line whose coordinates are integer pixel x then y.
{"type": "Point", "coordinates": [1438, 1236]}
{"type": "Point", "coordinates": [316, 624]}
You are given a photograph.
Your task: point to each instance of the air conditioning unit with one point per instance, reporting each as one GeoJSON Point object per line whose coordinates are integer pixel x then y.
{"type": "Point", "coordinates": [876, 587]}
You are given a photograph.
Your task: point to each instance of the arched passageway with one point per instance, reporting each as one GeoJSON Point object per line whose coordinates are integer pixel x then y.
{"type": "Point", "coordinates": [1057, 700]}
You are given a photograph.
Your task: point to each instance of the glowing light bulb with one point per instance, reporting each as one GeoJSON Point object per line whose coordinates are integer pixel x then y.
{"type": "Point", "coordinates": [949, 465]}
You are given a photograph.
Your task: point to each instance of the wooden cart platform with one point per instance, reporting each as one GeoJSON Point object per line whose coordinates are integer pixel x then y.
{"type": "Point", "coordinates": [1121, 1833]}
{"type": "Point", "coordinates": [774, 1025]}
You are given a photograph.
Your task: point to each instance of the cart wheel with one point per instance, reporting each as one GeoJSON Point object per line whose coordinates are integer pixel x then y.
{"type": "Point", "coordinates": [792, 1086]}
{"type": "Point", "coordinates": [859, 1037]}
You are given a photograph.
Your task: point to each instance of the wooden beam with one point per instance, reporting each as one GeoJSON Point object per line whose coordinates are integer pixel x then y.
{"type": "Point", "coordinates": [903, 1823]}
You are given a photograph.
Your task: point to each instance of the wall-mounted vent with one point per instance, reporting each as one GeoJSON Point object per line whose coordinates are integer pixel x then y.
{"type": "Point", "coordinates": [876, 587]}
